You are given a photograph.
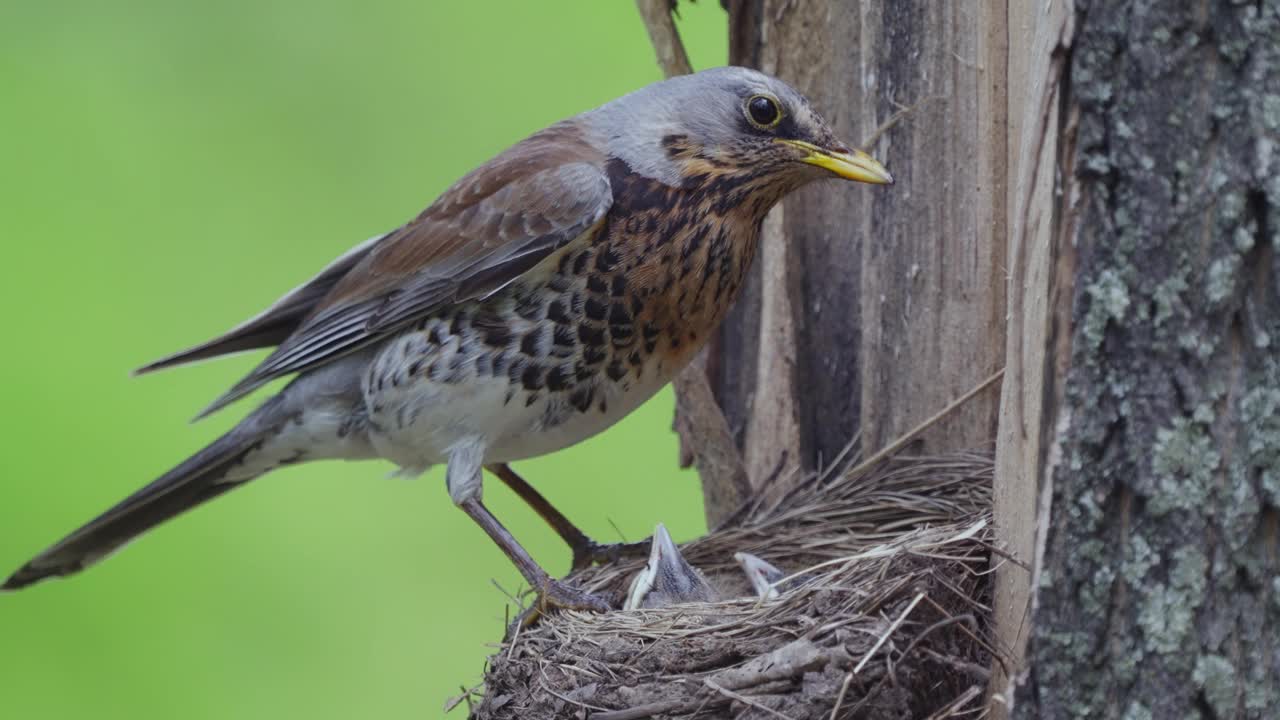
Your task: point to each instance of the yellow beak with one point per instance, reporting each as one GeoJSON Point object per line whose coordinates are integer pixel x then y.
{"type": "Point", "coordinates": [856, 165]}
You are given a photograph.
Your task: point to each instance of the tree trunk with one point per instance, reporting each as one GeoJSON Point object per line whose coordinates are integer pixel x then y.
{"type": "Point", "coordinates": [1158, 592]}
{"type": "Point", "coordinates": [1087, 196]}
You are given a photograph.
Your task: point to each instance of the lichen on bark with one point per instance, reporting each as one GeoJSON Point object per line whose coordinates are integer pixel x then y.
{"type": "Point", "coordinates": [1159, 596]}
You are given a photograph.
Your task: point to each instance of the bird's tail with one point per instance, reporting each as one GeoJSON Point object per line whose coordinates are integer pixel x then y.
{"type": "Point", "coordinates": [278, 433]}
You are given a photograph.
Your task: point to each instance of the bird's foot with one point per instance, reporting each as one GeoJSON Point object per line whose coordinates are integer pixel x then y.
{"type": "Point", "coordinates": [556, 595]}
{"type": "Point", "coordinates": [594, 553]}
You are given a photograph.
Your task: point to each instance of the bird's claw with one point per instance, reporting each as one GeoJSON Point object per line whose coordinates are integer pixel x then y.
{"type": "Point", "coordinates": [556, 595]}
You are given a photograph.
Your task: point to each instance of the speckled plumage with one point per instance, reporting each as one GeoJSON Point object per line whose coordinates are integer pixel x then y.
{"type": "Point", "coordinates": [578, 342]}
{"type": "Point", "coordinates": [536, 302]}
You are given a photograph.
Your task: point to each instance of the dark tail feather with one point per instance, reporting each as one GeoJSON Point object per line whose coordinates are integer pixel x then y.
{"type": "Point", "coordinates": [189, 484]}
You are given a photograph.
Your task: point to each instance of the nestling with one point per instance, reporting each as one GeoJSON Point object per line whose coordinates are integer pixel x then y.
{"type": "Point", "coordinates": [536, 302]}
{"type": "Point", "coordinates": [667, 578]}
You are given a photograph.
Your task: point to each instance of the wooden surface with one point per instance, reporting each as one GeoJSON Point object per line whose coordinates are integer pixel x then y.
{"type": "Point", "coordinates": [1038, 313]}
{"type": "Point", "coordinates": [895, 296]}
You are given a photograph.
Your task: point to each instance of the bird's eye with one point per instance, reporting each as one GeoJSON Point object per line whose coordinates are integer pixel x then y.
{"type": "Point", "coordinates": [763, 111]}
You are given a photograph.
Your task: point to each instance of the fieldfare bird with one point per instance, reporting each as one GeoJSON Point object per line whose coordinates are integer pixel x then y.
{"type": "Point", "coordinates": [536, 302]}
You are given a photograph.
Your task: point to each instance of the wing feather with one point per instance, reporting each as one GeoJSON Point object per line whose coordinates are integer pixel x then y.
{"type": "Point", "coordinates": [483, 233]}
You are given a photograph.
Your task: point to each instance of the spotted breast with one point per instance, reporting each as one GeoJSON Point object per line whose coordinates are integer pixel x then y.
{"type": "Point", "coordinates": [575, 344]}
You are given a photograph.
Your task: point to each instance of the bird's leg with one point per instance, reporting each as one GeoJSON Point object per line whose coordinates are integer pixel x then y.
{"type": "Point", "coordinates": [551, 593]}
{"type": "Point", "coordinates": [585, 550]}
{"type": "Point", "coordinates": [578, 541]}
{"type": "Point", "coordinates": [464, 480]}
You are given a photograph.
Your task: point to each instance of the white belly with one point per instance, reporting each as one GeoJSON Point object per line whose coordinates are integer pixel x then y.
{"type": "Point", "coordinates": [417, 422]}
{"type": "Point", "coordinates": [550, 423]}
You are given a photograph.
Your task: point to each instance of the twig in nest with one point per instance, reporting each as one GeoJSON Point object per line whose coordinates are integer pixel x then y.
{"type": "Point", "coordinates": [977, 672]}
{"type": "Point", "coordinates": [794, 658]}
{"type": "Point", "coordinates": [515, 637]}
{"type": "Point", "coordinates": [968, 619]}
{"type": "Point", "coordinates": [893, 447]}
{"type": "Point", "coordinates": [950, 710]}
{"type": "Point", "coordinates": [571, 700]}
{"type": "Point", "coordinates": [617, 530]}
{"type": "Point", "coordinates": [513, 597]}
{"type": "Point", "coordinates": [973, 636]}
{"type": "Point", "coordinates": [843, 460]}
{"type": "Point", "coordinates": [844, 688]}
{"type": "Point", "coordinates": [865, 658]}
{"type": "Point", "coordinates": [457, 700]}
{"type": "Point", "coordinates": [743, 699]}
{"type": "Point", "coordinates": [647, 710]}
{"type": "Point", "coordinates": [1007, 556]}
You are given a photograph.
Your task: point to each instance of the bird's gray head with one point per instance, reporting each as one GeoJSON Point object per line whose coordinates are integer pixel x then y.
{"type": "Point", "coordinates": [727, 121]}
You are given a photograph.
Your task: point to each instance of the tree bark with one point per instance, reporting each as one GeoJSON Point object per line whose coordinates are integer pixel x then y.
{"type": "Point", "coordinates": [1157, 582]}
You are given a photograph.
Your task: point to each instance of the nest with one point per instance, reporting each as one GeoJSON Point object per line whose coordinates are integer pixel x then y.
{"type": "Point", "coordinates": [887, 614]}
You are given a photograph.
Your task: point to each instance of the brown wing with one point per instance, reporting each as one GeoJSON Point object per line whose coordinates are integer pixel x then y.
{"type": "Point", "coordinates": [485, 231]}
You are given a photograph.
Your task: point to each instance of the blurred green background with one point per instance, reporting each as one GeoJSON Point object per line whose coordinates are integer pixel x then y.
{"type": "Point", "coordinates": [168, 169]}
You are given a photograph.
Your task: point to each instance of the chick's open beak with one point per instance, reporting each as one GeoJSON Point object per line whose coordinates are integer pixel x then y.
{"type": "Point", "coordinates": [667, 578]}
{"type": "Point", "coordinates": [853, 165]}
